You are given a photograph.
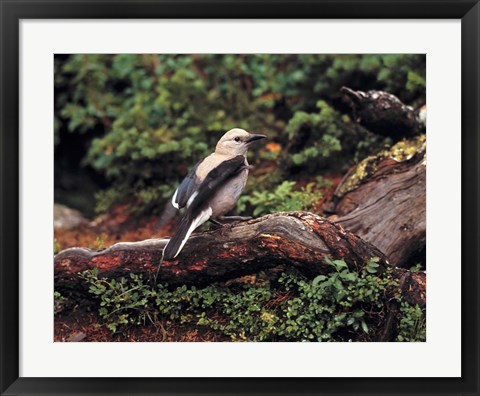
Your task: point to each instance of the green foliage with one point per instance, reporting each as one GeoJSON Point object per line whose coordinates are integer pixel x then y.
{"type": "Point", "coordinates": [144, 120]}
{"type": "Point", "coordinates": [60, 303]}
{"type": "Point", "coordinates": [282, 199]}
{"type": "Point", "coordinates": [372, 265]}
{"type": "Point", "coordinates": [319, 132]}
{"type": "Point", "coordinates": [412, 326]}
{"type": "Point", "coordinates": [99, 243]}
{"type": "Point", "coordinates": [121, 302]}
{"type": "Point", "coordinates": [56, 246]}
{"type": "Point", "coordinates": [417, 267]}
{"type": "Point", "coordinates": [404, 74]}
{"type": "Point", "coordinates": [415, 81]}
{"type": "Point", "coordinates": [341, 305]}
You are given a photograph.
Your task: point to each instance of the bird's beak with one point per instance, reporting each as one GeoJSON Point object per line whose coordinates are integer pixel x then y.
{"type": "Point", "coordinates": [252, 137]}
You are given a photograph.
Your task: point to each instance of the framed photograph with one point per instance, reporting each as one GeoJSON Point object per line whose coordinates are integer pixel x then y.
{"type": "Point", "coordinates": [238, 197]}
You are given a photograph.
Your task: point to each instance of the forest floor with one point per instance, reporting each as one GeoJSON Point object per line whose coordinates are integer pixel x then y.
{"type": "Point", "coordinates": [82, 323]}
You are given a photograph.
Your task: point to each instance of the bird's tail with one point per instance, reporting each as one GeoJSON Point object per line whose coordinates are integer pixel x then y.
{"type": "Point", "coordinates": [186, 227]}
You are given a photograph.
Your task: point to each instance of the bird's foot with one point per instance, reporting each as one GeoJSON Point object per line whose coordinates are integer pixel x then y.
{"type": "Point", "coordinates": [217, 223]}
{"type": "Point", "coordinates": [228, 222]}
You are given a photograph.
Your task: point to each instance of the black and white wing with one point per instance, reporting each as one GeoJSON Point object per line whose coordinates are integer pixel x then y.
{"type": "Point", "coordinates": [180, 198]}
{"type": "Point", "coordinates": [185, 190]}
{"type": "Point", "coordinates": [198, 210]}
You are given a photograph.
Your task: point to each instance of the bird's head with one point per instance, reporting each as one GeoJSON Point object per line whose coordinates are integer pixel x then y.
{"type": "Point", "coordinates": [236, 142]}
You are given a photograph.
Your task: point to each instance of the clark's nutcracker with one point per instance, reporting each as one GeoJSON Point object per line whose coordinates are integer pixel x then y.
{"type": "Point", "coordinates": [212, 187]}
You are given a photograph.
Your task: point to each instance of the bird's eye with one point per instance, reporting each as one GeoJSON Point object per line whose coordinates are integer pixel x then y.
{"type": "Point", "coordinates": [237, 139]}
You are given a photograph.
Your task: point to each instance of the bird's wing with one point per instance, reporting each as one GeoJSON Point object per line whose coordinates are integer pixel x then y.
{"type": "Point", "coordinates": [185, 190]}
{"type": "Point", "coordinates": [198, 210]}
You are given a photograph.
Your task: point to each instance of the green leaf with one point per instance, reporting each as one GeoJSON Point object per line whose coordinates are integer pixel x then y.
{"type": "Point", "coordinates": [318, 279]}
{"type": "Point", "coordinates": [364, 326]}
{"type": "Point", "coordinates": [349, 276]}
{"type": "Point", "coordinates": [338, 284]}
{"type": "Point", "coordinates": [340, 263]}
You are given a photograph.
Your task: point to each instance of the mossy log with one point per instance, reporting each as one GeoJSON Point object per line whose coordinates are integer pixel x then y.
{"type": "Point", "coordinates": [383, 200]}
{"type": "Point", "coordinates": [298, 239]}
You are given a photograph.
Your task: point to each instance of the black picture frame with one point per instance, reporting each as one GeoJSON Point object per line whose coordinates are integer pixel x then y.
{"type": "Point", "coordinates": [13, 11]}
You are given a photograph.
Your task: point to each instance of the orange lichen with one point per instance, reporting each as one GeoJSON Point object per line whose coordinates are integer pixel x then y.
{"type": "Point", "coordinates": [105, 262]}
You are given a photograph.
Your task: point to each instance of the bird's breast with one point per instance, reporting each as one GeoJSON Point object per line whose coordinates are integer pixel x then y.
{"type": "Point", "coordinates": [227, 196]}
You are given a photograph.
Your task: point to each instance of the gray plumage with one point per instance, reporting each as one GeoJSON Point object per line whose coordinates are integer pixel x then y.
{"type": "Point", "coordinates": [212, 187]}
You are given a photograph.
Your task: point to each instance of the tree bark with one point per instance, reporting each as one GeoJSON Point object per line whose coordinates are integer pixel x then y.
{"type": "Point", "coordinates": [383, 200]}
{"type": "Point", "coordinates": [299, 239]}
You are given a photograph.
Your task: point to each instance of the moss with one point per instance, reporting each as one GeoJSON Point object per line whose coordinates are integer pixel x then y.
{"type": "Point", "coordinates": [362, 171]}
{"type": "Point", "coordinates": [402, 151]}
{"type": "Point", "coordinates": [407, 149]}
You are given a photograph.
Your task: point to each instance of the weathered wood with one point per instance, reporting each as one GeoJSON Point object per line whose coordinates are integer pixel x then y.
{"type": "Point", "coordinates": [383, 200]}
{"type": "Point", "coordinates": [299, 239]}
{"type": "Point", "coordinates": [384, 114]}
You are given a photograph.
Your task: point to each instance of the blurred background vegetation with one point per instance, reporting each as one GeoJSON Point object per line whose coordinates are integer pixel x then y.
{"type": "Point", "coordinates": [129, 127]}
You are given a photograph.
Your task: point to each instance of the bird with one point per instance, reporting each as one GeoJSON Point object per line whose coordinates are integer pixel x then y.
{"type": "Point", "coordinates": [211, 189]}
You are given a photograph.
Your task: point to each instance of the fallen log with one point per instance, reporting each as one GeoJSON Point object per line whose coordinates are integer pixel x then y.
{"type": "Point", "coordinates": [383, 200]}
{"type": "Point", "coordinates": [298, 239]}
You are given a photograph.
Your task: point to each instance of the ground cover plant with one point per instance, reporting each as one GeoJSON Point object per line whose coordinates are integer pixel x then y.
{"type": "Point", "coordinates": [339, 306]}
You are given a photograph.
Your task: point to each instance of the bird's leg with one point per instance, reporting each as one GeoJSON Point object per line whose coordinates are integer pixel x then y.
{"type": "Point", "coordinates": [213, 221]}
{"type": "Point", "coordinates": [234, 218]}
{"type": "Point", "coordinates": [158, 270]}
